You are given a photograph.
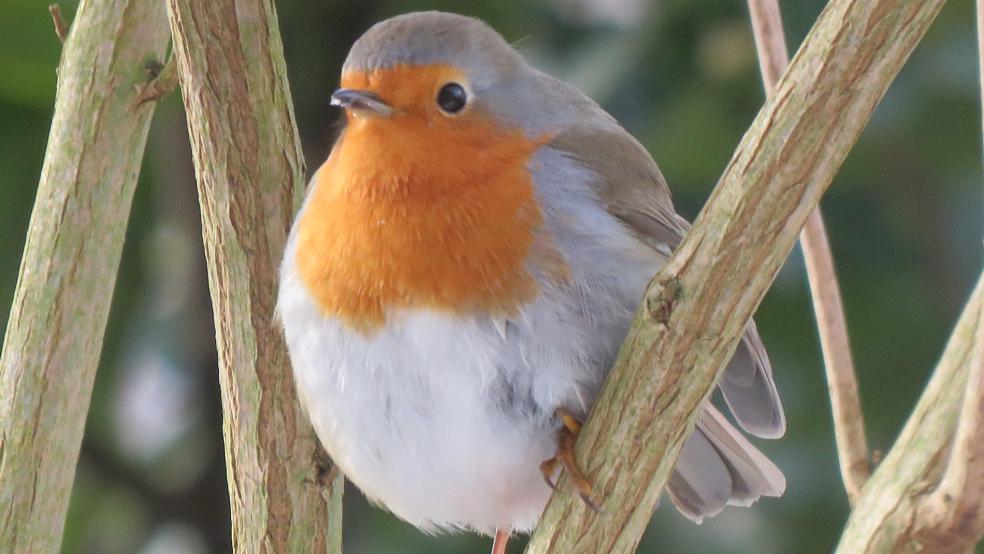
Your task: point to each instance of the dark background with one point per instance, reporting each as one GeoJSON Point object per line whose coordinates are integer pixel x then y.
{"type": "Point", "coordinates": [904, 215]}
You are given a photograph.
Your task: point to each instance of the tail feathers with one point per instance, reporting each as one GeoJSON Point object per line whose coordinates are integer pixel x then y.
{"type": "Point", "coordinates": [701, 483]}
{"type": "Point", "coordinates": [717, 467]}
{"type": "Point", "coordinates": [749, 389]}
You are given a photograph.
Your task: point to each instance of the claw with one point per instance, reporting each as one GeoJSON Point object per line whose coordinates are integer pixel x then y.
{"type": "Point", "coordinates": [572, 424]}
{"type": "Point", "coordinates": [547, 468]}
{"type": "Point", "coordinates": [567, 438]}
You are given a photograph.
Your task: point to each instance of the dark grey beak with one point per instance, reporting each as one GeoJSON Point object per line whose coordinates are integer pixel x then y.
{"type": "Point", "coordinates": [361, 101]}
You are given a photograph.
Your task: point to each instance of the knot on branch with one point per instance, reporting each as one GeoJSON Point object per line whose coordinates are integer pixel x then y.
{"type": "Point", "coordinates": [324, 467]}
{"type": "Point", "coordinates": [162, 78]}
{"type": "Point", "coordinates": [660, 303]}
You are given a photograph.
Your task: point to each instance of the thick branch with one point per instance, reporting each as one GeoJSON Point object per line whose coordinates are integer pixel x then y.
{"type": "Point", "coordinates": [852, 446]}
{"type": "Point", "coordinates": [250, 180]}
{"type": "Point", "coordinates": [696, 308]}
{"type": "Point", "coordinates": [891, 514]}
{"type": "Point", "coordinates": [55, 331]}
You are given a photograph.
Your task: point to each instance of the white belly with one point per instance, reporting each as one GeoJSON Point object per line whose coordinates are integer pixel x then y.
{"type": "Point", "coordinates": [426, 416]}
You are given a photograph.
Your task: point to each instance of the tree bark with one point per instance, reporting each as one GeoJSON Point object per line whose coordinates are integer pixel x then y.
{"type": "Point", "coordinates": [696, 308]}
{"type": "Point", "coordinates": [250, 176]}
{"type": "Point", "coordinates": [68, 271]}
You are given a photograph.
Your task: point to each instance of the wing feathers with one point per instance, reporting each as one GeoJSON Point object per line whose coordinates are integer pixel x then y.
{"type": "Point", "coordinates": [634, 191]}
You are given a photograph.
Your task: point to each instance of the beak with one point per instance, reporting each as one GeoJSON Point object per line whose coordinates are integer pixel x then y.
{"type": "Point", "coordinates": [361, 101]}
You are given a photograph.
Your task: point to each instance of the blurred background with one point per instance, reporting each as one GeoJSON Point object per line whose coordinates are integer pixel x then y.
{"type": "Point", "coordinates": [904, 214]}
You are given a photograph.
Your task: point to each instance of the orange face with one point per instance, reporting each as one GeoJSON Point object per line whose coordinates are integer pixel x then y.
{"type": "Point", "coordinates": [419, 209]}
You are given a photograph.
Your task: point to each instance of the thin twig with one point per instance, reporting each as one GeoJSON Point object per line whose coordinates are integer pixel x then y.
{"type": "Point", "coordinates": [852, 446]}
{"type": "Point", "coordinates": [770, 41]}
{"type": "Point", "coordinates": [61, 27]}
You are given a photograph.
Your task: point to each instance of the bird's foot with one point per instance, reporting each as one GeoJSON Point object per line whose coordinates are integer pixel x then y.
{"type": "Point", "coordinates": [566, 439]}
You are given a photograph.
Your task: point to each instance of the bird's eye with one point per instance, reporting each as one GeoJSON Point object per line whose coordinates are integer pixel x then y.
{"type": "Point", "coordinates": [452, 98]}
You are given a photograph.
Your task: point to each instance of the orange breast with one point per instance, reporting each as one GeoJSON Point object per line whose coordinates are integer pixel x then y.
{"type": "Point", "coordinates": [409, 213]}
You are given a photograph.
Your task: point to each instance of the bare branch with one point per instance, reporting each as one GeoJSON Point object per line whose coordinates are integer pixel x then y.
{"type": "Point", "coordinates": [709, 289]}
{"type": "Point", "coordinates": [891, 514]}
{"type": "Point", "coordinates": [770, 41]}
{"type": "Point", "coordinates": [845, 403]}
{"type": "Point", "coordinates": [250, 174]}
{"type": "Point", "coordinates": [852, 446]}
{"type": "Point", "coordinates": [74, 242]}
{"type": "Point", "coordinates": [952, 518]}
{"type": "Point", "coordinates": [61, 27]}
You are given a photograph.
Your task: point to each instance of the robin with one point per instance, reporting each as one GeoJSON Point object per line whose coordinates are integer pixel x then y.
{"type": "Point", "coordinates": [461, 275]}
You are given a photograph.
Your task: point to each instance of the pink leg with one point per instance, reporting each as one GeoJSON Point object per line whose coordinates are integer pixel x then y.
{"type": "Point", "coordinates": [499, 542]}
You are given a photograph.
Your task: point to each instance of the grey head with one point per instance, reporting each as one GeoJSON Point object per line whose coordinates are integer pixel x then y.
{"type": "Point", "coordinates": [425, 38]}
{"type": "Point", "coordinates": [499, 78]}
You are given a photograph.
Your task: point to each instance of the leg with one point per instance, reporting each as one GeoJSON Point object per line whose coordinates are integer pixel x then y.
{"type": "Point", "coordinates": [566, 440]}
{"type": "Point", "coordinates": [499, 542]}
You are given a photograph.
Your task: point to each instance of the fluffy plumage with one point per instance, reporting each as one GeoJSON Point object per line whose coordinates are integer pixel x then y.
{"type": "Point", "coordinates": [442, 409]}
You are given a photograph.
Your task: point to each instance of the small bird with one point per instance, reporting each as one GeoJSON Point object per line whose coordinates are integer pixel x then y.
{"type": "Point", "coordinates": [461, 275]}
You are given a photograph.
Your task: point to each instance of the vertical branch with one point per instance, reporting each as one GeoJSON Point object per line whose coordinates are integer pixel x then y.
{"type": "Point", "coordinates": [852, 446]}
{"type": "Point", "coordinates": [68, 270]}
{"type": "Point", "coordinates": [770, 41]}
{"type": "Point", "coordinates": [250, 176]}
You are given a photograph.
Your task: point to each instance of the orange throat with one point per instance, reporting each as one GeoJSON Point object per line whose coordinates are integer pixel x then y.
{"type": "Point", "coordinates": [406, 213]}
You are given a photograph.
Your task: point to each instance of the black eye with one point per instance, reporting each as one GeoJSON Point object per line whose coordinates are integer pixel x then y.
{"type": "Point", "coordinates": [452, 98]}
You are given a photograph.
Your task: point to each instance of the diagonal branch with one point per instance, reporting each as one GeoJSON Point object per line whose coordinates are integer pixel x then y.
{"type": "Point", "coordinates": [928, 493]}
{"type": "Point", "coordinates": [891, 515]}
{"type": "Point", "coordinates": [952, 518]}
{"type": "Point", "coordinates": [852, 446]}
{"type": "Point", "coordinates": [954, 513]}
{"type": "Point", "coordinates": [696, 308]}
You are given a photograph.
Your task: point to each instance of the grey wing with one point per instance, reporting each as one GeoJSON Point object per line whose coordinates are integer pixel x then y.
{"type": "Point", "coordinates": [636, 193]}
